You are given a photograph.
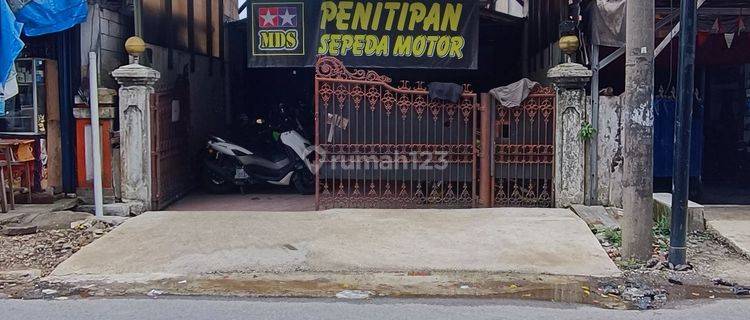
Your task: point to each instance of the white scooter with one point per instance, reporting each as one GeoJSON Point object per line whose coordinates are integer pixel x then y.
{"type": "Point", "coordinates": [289, 162]}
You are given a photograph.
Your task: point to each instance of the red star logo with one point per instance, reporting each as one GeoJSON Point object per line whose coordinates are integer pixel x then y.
{"type": "Point", "coordinates": [269, 17]}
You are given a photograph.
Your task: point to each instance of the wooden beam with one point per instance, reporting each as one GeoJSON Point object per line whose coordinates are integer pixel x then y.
{"type": "Point", "coordinates": [54, 137]}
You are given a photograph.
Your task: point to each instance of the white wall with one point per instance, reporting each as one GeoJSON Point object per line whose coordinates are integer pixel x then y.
{"type": "Point", "coordinates": [511, 7]}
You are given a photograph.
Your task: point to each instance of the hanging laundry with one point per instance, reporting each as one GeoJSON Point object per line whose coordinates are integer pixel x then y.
{"type": "Point", "coordinates": [47, 16]}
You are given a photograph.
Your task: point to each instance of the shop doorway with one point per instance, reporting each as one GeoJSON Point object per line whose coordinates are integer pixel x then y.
{"type": "Point", "coordinates": [254, 100]}
{"type": "Point", "coordinates": [726, 175]}
{"type": "Point", "coordinates": [253, 92]}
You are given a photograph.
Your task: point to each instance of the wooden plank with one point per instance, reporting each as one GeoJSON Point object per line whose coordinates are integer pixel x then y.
{"type": "Point", "coordinates": [54, 138]}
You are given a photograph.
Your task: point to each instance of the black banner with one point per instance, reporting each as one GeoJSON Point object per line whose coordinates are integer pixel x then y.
{"type": "Point", "coordinates": [365, 33]}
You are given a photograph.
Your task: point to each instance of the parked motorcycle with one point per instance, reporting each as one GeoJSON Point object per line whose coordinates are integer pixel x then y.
{"type": "Point", "coordinates": [286, 160]}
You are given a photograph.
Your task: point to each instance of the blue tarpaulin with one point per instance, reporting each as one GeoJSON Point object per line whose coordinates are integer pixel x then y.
{"type": "Point", "coordinates": [10, 40]}
{"type": "Point", "coordinates": [664, 119]}
{"type": "Point", "coordinates": [35, 18]}
{"type": "Point", "coordinates": [47, 16]}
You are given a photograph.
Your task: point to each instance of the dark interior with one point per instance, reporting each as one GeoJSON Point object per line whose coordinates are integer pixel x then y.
{"type": "Point", "coordinates": [255, 91]}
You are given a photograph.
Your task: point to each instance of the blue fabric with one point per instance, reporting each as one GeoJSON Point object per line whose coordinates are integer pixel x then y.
{"type": "Point", "coordinates": [664, 119]}
{"type": "Point", "coordinates": [49, 16]}
{"type": "Point", "coordinates": [10, 40]}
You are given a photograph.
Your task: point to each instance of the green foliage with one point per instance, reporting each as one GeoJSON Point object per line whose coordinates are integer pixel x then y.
{"type": "Point", "coordinates": [661, 232]}
{"type": "Point", "coordinates": [661, 227]}
{"type": "Point", "coordinates": [614, 236]}
{"type": "Point", "coordinates": [587, 131]}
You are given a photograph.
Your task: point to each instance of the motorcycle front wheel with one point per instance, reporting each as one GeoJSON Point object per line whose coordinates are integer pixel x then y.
{"type": "Point", "coordinates": [304, 182]}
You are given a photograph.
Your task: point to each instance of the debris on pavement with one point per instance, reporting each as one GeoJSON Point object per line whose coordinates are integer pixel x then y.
{"type": "Point", "coordinates": [45, 249]}
{"type": "Point", "coordinates": [707, 259]}
{"type": "Point", "coordinates": [645, 298]}
{"type": "Point", "coordinates": [741, 291]}
{"type": "Point", "coordinates": [155, 293]}
{"type": "Point", "coordinates": [611, 289]}
{"type": "Point", "coordinates": [42, 220]}
{"type": "Point", "coordinates": [683, 267]}
{"type": "Point", "coordinates": [673, 280]}
{"type": "Point", "coordinates": [722, 282]}
{"type": "Point", "coordinates": [354, 294]}
{"type": "Point", "coordinates": [18, 231]}
{"type": "Point", "coordinates": [49, 292]}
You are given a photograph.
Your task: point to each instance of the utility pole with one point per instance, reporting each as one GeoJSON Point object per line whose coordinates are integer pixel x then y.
{"type": "Point", "coordinates": [638, 120]}
{"type": "Point", "coordinates": [683, 123]}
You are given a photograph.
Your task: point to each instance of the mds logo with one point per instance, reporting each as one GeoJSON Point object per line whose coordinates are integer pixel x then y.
{"type": "Point", "coordinates": [278, 28]}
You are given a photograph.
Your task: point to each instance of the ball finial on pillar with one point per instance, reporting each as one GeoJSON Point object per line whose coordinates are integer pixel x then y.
{"type": "Point", "coordinates": [135, 46]}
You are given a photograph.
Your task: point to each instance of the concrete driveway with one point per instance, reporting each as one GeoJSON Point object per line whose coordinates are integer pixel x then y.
{"type": "Point", "coordinates": [161, 245]}
{"type": "Point", "coordinates": [732, 224]}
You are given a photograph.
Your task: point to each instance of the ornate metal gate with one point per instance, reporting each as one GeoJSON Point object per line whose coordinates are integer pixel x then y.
{"type": "Point", "coordinates": [524, 157]}
{"type": "Point", "coordinates": [384, 147]}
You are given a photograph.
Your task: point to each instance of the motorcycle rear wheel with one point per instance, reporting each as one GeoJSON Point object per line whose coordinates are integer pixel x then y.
{"type": "Point", "coordinates": [304, 182]}
{"type": "Point", "coordinates": [215, 184]}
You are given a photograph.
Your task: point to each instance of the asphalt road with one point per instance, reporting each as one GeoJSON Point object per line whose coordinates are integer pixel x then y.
{"type": "Point", "coordinates": [412, 309]}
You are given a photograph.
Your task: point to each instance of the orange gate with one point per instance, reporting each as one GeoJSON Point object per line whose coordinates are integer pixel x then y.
{"type": "Point", "coordinates": [524, 151]}
{"type": "Point", "coordinates": [380, 146]}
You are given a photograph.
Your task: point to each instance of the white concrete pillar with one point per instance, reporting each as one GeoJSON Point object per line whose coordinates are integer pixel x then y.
{"type": "Point", "coordinates": [136, 86]}
{"type": "Point", "coordinates": [570, 80]}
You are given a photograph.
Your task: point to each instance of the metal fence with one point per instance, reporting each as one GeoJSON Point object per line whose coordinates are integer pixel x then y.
{"type": "Point", "coordinates": [381, 146]}
{"type": "Point", "coordinates": [524, 151]}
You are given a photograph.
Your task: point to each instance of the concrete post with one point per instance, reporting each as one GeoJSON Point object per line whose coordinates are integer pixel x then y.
{"type": "Point", "coordinates": [638, 132]}
{"type": "Point", "coordinates": [570, 150]}
{"type": "Point", "coordinates": [136, 86]}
